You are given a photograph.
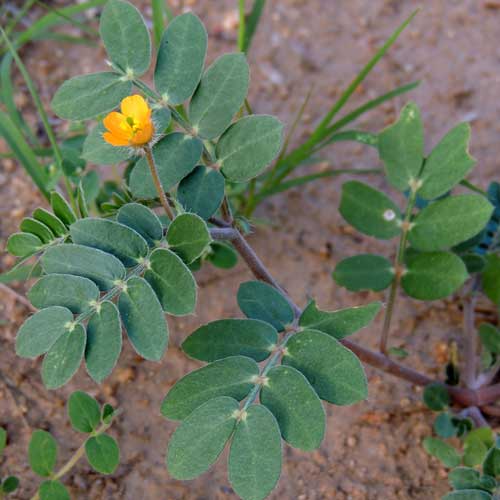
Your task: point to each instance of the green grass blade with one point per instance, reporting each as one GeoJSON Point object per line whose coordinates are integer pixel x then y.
{"type": "Point", "coordinates": [362, 75]}
{"type": "Point", "coordinates": [242, 26]}
{"type": "Point", "coordinates": [42, 114]}
{"type": "Point", "coordinates": [352, 136]}
{"type": "Point", "coordinates": [17, 143]}
{"type": "Point", "coordinates": [252, 22]}
{"type": "Point", "coordinates": [158, 15]}
{"type": "Point", "coordinates": [20, 15]}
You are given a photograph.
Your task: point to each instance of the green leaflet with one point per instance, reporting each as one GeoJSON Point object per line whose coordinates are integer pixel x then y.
{"type": "Point", "coordinates": [104, 341]}
{"type": "Point", "coordinates": [448, 163]}
{"type": "Point", "coordinates": [463, 478]}
{"type": "Point", "coordinates": [202, 191]}
{"type": "Point", "coordinates": [21, 244]}
{"type": "Point", "coordinates": [51, 221]}
{"type": "Point", "coordinates": [9, 484]}
{"type": "Point", "coordinates": [199, 440]}
{"type": "Point", "coordinates": [125, 37]}
{"type": "Point", "coordinates": [3, 439]}
{"type": "Point", "coordinates": [97, 150]}
{"type": "Point", "coordinates": [172, 282]}
{"type": "Point", "coordinates": [442, 451]}
{"type": "Point", "coordinates": [64, 357]}
{"type": "Point", "coordinates": [259, 300]}
{"type": "Point", "coordinates": [296, 406]}
{"type": "Point", "coordinates": [491, 464]}
{"type": "Point", "coordinates": [335, 373]}
{"type": "Point", "coordinates": [468, 495]}
{"type": "Point", "coordinates": [110, 237]}
{"type": "Point", "coordinates": [62, 209]}
{"type": "Point", "coordinates": [84, 412]}
{"type": "Point", "coordinates": [222, 255]}
{"type": "Point", "coordinates": [433, 276]}
{"type": "Point", "coordinates": [233, 377]}
{"type": "Point", "coordinates": [73, 292]}
{"type": "Point", "coordinates": [53, 490]}
{"type": "Point", "coordinates": [87, 96]}
{"type": "Point", "coordinates": [364, 272]}
{"type": "Point", "coordinates": [188, 236]}
{"type": "Point", "coordinates": [143, 319]}
{"type": "Point", "coordinates": [142, 220]}
{"type": "Point", "coordinates": [370, 211]}
{"type": "Point", "coordinates": [340, 323]}
{"type": "Point", "coordinates": [401, 148]}
{"type": "Point", "coordinates": [42, 453]}
{"type": "Point", "coordinates": [29, 225]}
{"type": "Point", "coordinates": [490, 337]}
{"type": "Point", "coordinates": [248, 146]}
{"type": "Point", "coordinates": [220, 95]}
{"type": "Point", "coordinates": [100, 267]}
{"type": "Point", "coordinates": [450, 221]}
{"type": "Point", "coordinates": [436, 396]}
{"type": "Point", "coordinates": [491, 278]}
{"type": "Point", "coordinates": [175, 155]}
{"type": "Point", "coordinates": [42, 330]}
{"type": "Point", "coordinates": [102, 453]}
{"type": "Point", "coordinates": [255, 455]}
{"type": "Point", "coordinates": [231, 337]}
{"type": "Point", "coordinates": [181, 57]}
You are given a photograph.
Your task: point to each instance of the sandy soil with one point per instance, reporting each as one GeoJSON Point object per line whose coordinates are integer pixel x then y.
{"type": "Point", "coordinates": [372, 450]}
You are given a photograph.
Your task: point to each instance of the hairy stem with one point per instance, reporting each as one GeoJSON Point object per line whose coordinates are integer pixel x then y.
{"type": "Point", "coordinates": [157, 182]}
{"type": "Point", "coordinates": [405, 226]}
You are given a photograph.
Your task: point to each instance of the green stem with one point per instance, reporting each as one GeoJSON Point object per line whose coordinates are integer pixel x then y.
{"type": "Point", "coordinates": [157, 182]}
{"type": "Point", "coordinates": [405, 226]}
{"type": "Point", "coordinates": [242, 27]}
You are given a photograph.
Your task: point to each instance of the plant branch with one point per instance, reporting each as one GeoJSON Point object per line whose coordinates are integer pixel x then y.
{"type": "Point", "coordinates": [405, 226]}
{"type": "Point", "coordinates": [463, 396]}
{"type": "Point", "coordinates": [157, 182]}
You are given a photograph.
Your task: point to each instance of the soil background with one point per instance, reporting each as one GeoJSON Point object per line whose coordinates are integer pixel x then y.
{"type": "Point", "coordinates": [373, 449]}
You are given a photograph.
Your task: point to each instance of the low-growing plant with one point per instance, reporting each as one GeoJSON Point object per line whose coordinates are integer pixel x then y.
{"type": "Point", "coordinates": [129, 262]}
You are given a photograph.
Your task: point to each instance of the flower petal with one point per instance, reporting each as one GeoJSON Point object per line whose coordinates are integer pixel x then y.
{"type": "Point", "coordinates": [115, 140]}
{"type": "Point", "coordinates": [114, 121]}
{"type": "Point", "coordinates": [136, 107]}
{"type": "Point", "coordinates": [144, 135]}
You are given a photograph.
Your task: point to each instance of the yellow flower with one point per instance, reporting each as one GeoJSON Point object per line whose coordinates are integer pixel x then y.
{"type": "Point", "coordinates": [133, 126]}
